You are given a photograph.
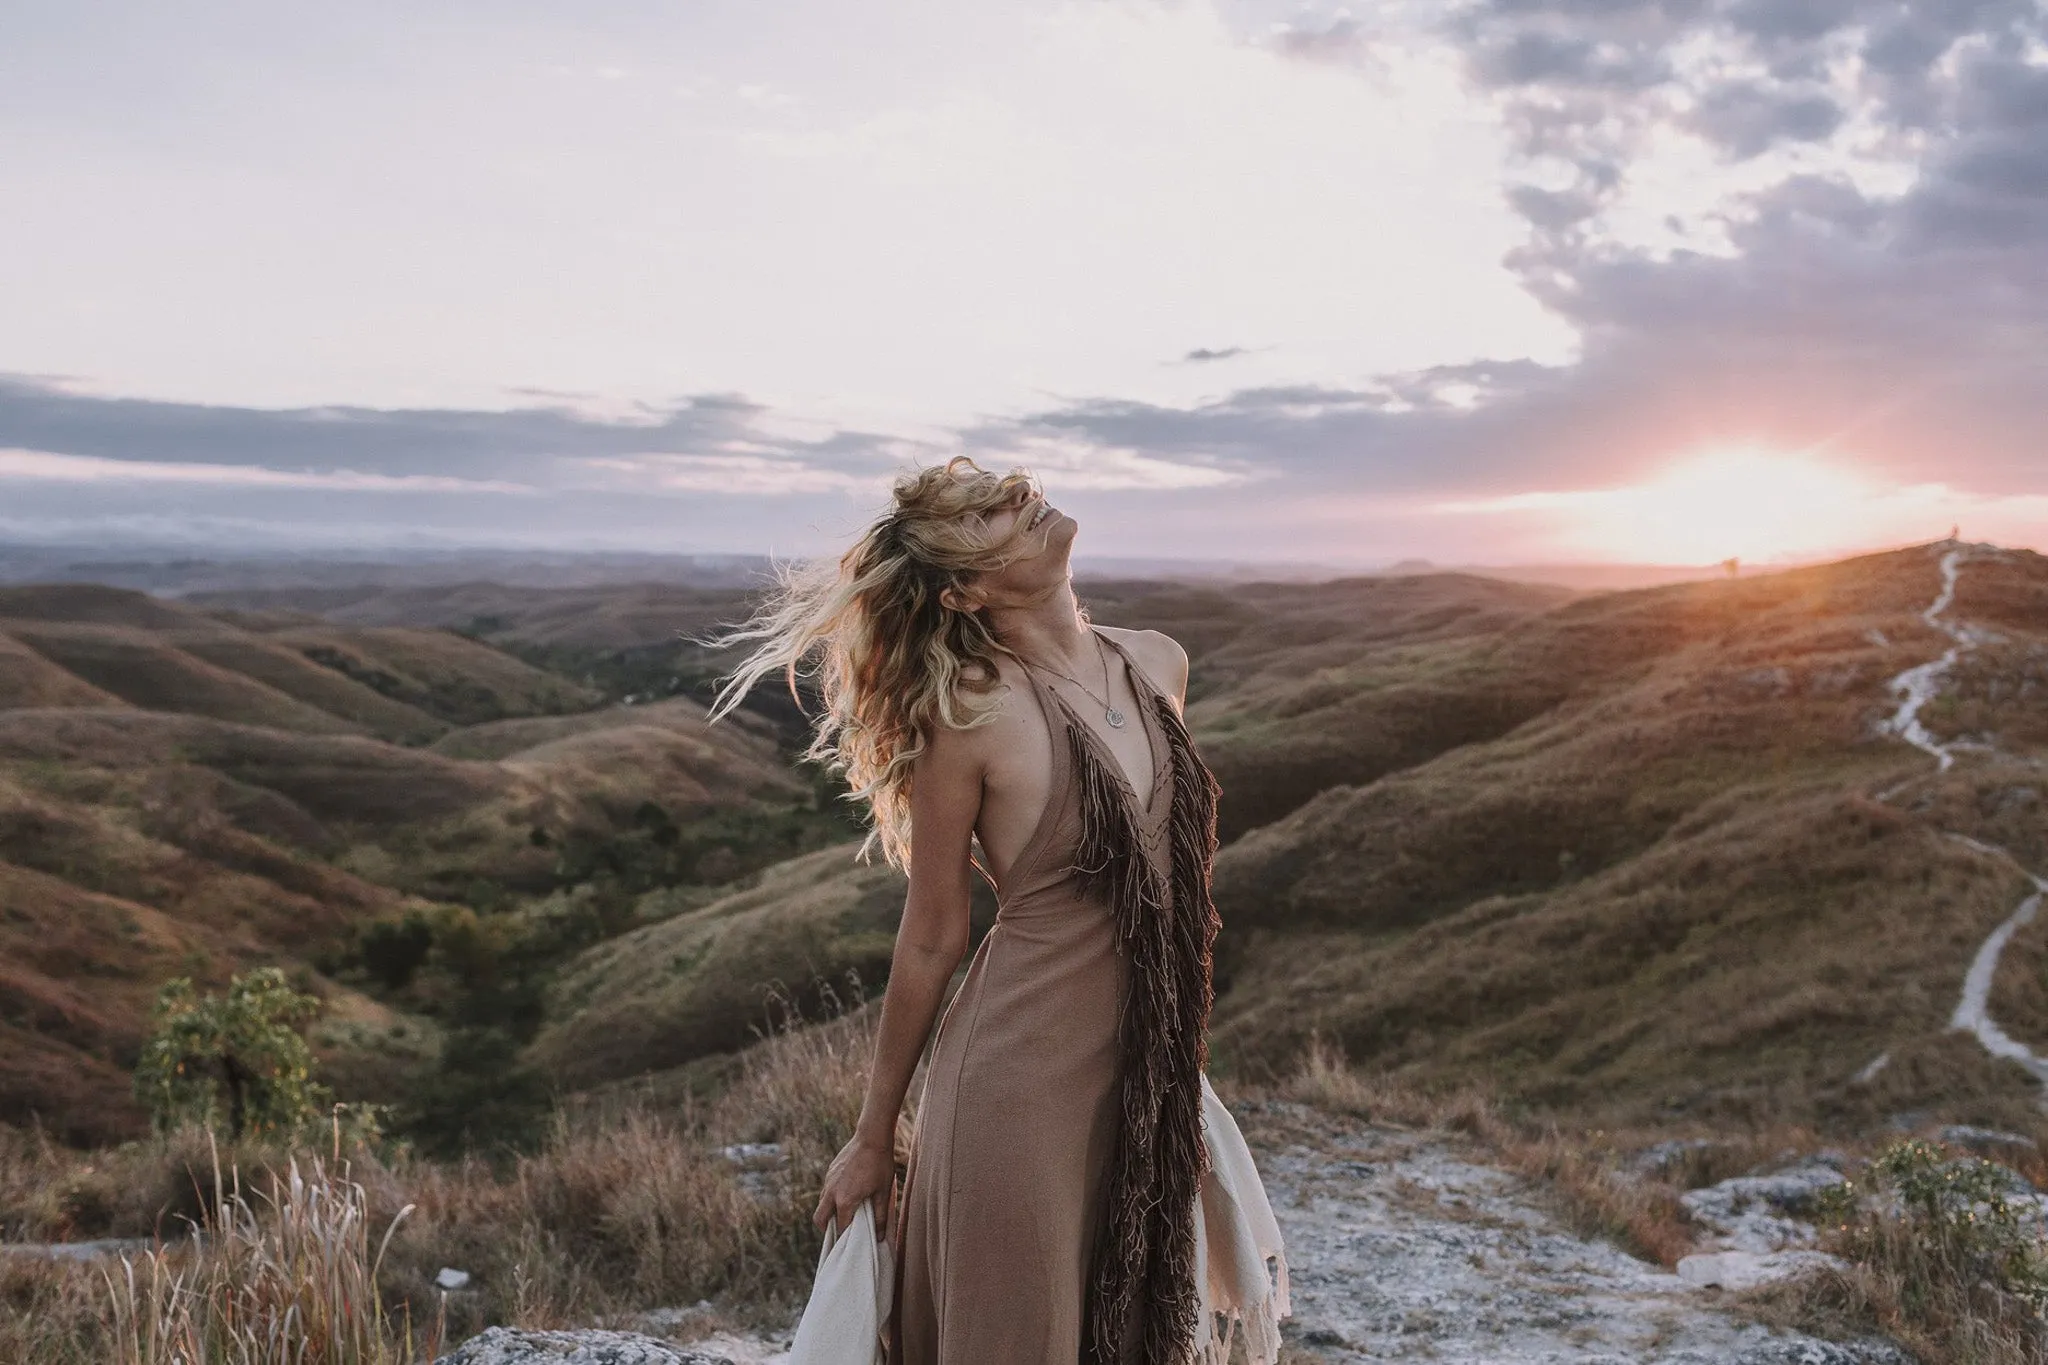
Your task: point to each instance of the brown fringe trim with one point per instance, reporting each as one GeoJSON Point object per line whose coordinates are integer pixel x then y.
{"type": "Point", "coordinates": [1143, 1300]}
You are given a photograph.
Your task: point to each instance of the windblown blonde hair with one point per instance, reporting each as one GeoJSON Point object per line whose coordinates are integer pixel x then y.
{"type": "Point", "coordinates": [891, 661]}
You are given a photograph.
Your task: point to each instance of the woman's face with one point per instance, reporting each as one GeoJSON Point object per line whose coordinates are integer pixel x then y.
{"type": "Point", "coordinates": [1045, 564]}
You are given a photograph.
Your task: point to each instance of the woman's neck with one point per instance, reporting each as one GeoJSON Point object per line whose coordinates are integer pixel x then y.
{"type": "Point", "coordinates": [1048, 633]}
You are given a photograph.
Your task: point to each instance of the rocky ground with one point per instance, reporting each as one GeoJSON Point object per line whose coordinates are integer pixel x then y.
{"type": "Point", "coordinates": [1403, 1246]}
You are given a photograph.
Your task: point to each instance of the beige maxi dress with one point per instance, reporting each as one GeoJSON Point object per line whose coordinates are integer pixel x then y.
{"type": "Point", "coordinates": [1018, 1112]}
{"type": "Point", "coordinates": [996, 1225]}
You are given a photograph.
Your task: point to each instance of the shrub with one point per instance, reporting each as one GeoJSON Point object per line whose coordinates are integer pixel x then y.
{"type": "Point", "coordinates": [480, 1098]}
{"type": "Point", "coordinates": [393, 949]}
{"type": "Point", "coordinates": [1961, 1218]}
{"type": "Point", "coordinates": [240, 1053]}
{"type": "Point", "coordinates": [1942, 1259]}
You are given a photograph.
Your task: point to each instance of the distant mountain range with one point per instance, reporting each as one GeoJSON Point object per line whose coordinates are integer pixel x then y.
{"type": "Point", "coordinates": [183, 570]}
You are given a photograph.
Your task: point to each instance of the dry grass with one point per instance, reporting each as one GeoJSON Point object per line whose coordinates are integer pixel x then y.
{"type": "Point", "coordinates": [1581, 1171]}
{"type": "Point", "coordinates": [1670, 896]}
{"type": "Point", "coordinates": [330, 1256]}
{"type": "Point", "coordinates": [1940, 1259]}
{"type": "Point", "coordinates": [1956, 1323]}
{"type": "Point", "coordinates": [284, 1274]}
{"type": "Point", "coordinates": [154, 1189]}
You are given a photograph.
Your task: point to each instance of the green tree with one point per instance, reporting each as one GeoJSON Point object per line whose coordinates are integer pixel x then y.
{"type": "Point", "coordinates": [237, 1057]}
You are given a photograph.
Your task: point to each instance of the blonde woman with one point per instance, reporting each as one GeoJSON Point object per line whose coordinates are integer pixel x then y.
{"type": "Point", "coordinates": [1049, 1214]}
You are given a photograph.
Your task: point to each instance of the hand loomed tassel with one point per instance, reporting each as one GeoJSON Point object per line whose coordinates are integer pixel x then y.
{"type": "Point", "coordinates": [1143, 1297]}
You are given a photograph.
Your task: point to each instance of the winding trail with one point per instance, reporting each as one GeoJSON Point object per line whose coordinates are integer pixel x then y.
{"type": "Point", "coordinates": [1923, 683]}
{"type": "Point", "coordinates": [1915, 688]}
{"type": "Point", "coordinates": [1971, 1012]}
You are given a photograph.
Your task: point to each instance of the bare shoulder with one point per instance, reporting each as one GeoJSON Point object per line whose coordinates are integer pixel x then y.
{"type": "Point", "coordinates": [1013, 711]}
{"type": "Point", "coordinates": [1159, 654]}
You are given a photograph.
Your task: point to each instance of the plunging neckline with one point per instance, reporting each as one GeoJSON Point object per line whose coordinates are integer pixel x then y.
{"type": "Point", "coordinates": [1150, 806]}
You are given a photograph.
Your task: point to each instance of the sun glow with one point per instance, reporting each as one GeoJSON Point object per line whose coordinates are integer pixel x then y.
{"type": "Point", "coordinates": [1737, 502]}
{"type": "Point", "coordinates": [1745, 503]}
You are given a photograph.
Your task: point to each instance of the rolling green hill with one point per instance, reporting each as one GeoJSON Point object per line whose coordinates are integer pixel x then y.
{"type": "Point", "coordinates": [1651, 853]}
{"type": "Point", "coordinates": [1708, 877]}
{"type": "Point", "coordinates": [180, 795]}
{"type": "Point", "coordinates": [1656, 853]}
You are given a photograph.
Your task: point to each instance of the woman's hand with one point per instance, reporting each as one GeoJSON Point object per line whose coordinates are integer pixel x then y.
{"type": "Point", "coordinates": [945, 801]}
{"type": "Point", "coordinates": [863, 1170]}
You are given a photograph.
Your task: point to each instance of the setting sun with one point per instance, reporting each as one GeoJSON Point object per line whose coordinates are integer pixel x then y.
{"type": "Point", "coordinates": [1736, 502]}
{"type": "Point", "coordinates": [1745, 502]}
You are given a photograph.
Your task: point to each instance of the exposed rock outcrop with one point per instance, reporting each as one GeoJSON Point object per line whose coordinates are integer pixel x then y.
{"type": "Point", "coordinates": [504, 1346]}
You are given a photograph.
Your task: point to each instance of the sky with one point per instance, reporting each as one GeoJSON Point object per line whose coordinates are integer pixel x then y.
{"type": "Point", "coordinates": [1499, 281]}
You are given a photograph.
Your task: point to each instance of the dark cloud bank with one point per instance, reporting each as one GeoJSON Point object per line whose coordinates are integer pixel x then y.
{"type": "Point", "coordinates": [518, 445]}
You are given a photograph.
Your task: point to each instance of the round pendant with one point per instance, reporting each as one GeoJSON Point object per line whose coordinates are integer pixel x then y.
{"type": "Point", "coordinates": [1114, 717]}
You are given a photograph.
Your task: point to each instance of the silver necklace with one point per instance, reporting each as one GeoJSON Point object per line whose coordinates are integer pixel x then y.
{"type": "Point", "coordinates": [1110, 713]}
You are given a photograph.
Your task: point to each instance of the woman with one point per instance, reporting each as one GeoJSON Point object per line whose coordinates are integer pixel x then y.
{"type": "Point", "coordinates": [1050, 1211]}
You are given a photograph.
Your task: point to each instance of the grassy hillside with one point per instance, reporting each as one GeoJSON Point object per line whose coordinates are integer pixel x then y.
{"type": "Point", "coordinates": [711, 979]}
{"type": "Point", "coordinates": [152, 671]}
{"type": "Point", "coordinates": [1646, 855]}
{"type": "Point", "coordinates": [1651, 854]}
{"type": "Point", "coordinates": [302, 676]}
{"type": "Point", "coordinates": [290, 673]}
{"type": "Point", "coordinates": [1296, 690]}
{"type": "Point", "coordinates": [183, 795]}
{"type": "Point", "coordinates": [607, 616]}
{"type": "Point", "coordinates": [629, 642]}
{"type": "Point", "coordinates": [698, 983]}
{"type": "Point", "coordinates": [1681, 887]}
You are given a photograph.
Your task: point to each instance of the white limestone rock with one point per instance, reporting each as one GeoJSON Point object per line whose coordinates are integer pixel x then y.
{"type": "Point", "coordinates": [505, 1346]}
{"type": "Point", "coordinates": [1748, 1269]}
{"type": "Point", "coordinates": [1763, 1213]}
{"type": "Point", "coordinates": [1402, 1247]}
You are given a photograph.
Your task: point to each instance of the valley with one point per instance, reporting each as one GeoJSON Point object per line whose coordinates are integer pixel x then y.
{"type": "Point", "coordinates": [1700, 852]}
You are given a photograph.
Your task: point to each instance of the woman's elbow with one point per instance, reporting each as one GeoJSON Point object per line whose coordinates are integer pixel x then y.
{"type": "Point", "coordinates": [936, 940]}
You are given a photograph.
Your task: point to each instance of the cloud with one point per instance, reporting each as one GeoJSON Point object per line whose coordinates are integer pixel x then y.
{"type": "Point", "coordinates": [44, 467]}
{"type": "Point", "coordinates": [1894, 322]}
{"type": "Point", "coordinates": [730, 472]}
{"type": "Point", "coordinates": [546, 445]}
{"type": "Point", "coordinates": [1522, 55]}
{"type": "Point", "coordinates": [1748, 118]}
{"type": "Point", "coordinates": [744, 474]}
{"type": "Point", "coordinates": [1099, 466]}
{"type": "Point", "coordinates": [1343, 39]}
{"type": "Point", "coordinates": [1816, 227]}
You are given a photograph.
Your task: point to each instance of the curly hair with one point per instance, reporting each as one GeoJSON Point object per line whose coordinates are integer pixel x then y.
{"type": "Point", "coordinates": [891, 660]}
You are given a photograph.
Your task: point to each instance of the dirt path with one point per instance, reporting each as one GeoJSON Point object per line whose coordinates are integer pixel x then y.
{"type": "Point", "coordinates": [1915, 688]}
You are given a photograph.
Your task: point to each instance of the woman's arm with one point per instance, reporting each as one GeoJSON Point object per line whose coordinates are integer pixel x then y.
{"type": "Point", "coordinates": [945, 801]}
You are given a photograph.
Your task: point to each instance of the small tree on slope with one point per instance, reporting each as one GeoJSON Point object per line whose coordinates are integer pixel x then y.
{"type": "Point", "coordinates": [236, 1058]}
